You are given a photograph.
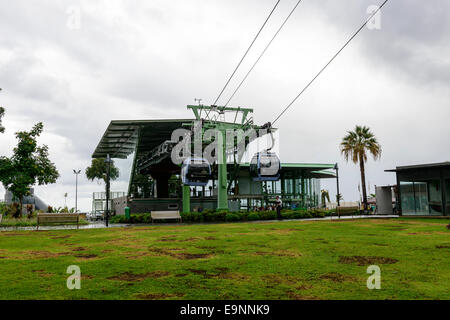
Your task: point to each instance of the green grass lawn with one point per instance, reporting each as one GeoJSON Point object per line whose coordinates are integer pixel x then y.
{"type": "Point", "coordinates": [26, 222]}
{"type": "Point", "coordinates": [270, 260]}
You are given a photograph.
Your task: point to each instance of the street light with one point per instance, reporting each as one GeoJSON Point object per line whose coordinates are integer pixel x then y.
{"type": "Point", "coordinates": [108, 176]}
{"type": "Point", "coordinates": [77, 172]}
{"type": "Point", "coordinates": [338, 196]}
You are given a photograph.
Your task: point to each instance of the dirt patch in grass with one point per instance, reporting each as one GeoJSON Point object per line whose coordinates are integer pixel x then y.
{"type": "Point", "coordinates": [138, 256]}
{"type": "Point", "coordinates": [296, 296]}
{"type": "Point", "coordinates": [275, 279]}
{"type": "Point", "coordinates": [427, 233]}
{"type": "Point", "coordinates": [190, 256]}
{"type": "Point", "coordinates": [212, 250]}
{"type": "Point", "coordinates": [180, 275]}
{"type": "Point", "coordinates": [443, 246]}
{"type": "Point", "coordinates": [259, 245]}
{"type": "Point", "coordinates": [233, 276]}
{"type": "Point", "coordinates": [283, 231]}
{"type": "Point", "coordinates": [337, 277]}
{"type": "Point", "coordinates": [189, 239]}
{"type": "Point", "coordinates": [321, 240]}
{"type": "Point", "coordinates": [396, 228]}
{"type": "Point", "coordinates": [278, 253]}
{"type": "Point", "coordinates": [86, 256]}
{"type": "Point", "coordinates": [166, 239]}
{"type": "Point", "coordinates": [128, 276]}
{"type": "Point", "coordinates": [179, 255]}
{"type": "Point", "coordinates": [201, 272]}
{"type": "Point", "coordinates": [46, 254]}
{"type": "Point", "coordinates": [210, 238]}
{"type": "Point", "coordinates": [158, 296]}
{"type": "Point", "coordinates": [43, 273]}
{"type": "Point", "coordinates": [8, 234]}
{"type": "Point", "coordinates": [60, 237]}
{"type": "Point", "coordinates": [127, 242]}
{"type": "Point", "coordinates": [303, 287]}
{"type": "Point", "coordinates": [79, 249]}
{"type": "Point", "coordinates": [173, 239]}
{"type": "Point", "coordinates": [220, 273]}
{"type": "Point", "coordinates": [363, 261]}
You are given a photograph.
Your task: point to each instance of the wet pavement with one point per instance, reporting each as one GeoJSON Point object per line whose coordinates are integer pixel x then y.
{"type": "Point", "coordinates": [101, 224]}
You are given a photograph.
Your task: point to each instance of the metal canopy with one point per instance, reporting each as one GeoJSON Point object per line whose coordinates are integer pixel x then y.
{"type": "Point", "coordinates": [307, 170]}
{"type": "Point", "coordinates": [122, 137]}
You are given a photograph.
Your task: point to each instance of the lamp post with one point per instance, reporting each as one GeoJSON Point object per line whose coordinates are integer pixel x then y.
{"type": "Point", "coordinates": [338, 196]}
{"type": "Point", "coordinates": [108, 176]}
{"type": "Point", "coordinates": [76, 172]}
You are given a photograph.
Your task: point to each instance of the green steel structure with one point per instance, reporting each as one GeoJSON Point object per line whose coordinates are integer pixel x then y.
{"type": "Point", "coordinates": [155, 182]}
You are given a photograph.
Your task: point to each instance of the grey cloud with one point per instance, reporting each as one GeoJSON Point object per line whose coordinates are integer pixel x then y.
{"type": "Point", "coordinates": [150, 59]}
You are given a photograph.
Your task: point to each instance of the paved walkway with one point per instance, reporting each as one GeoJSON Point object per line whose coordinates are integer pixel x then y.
{"type": "Point", "coordinates": [100, 225]}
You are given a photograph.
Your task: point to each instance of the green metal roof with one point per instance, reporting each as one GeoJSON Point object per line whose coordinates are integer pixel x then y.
{"type": "Point", "coordinates": [307, 170]}
{"type": "Point", "coordinates": [123, 136]}
{"type": "Point", "coordinates": [317, 166]}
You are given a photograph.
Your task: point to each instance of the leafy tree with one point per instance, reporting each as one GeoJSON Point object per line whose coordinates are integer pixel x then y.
{"type": "Point", "coordinates": [98, 170]}
{"type": "Point", "coordinates": [355, 146]}
{"type": "Point", "coordinates": [29, 165]}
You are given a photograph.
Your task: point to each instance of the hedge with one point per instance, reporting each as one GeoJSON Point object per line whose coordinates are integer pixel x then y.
{"type": "Point", "coordinates": [224, 216]}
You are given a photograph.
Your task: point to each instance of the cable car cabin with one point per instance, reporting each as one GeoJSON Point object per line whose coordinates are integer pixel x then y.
{"type": "Point", "coordinates": [195, 172]}
{"type": "Point", "coordinates": [265, 166]}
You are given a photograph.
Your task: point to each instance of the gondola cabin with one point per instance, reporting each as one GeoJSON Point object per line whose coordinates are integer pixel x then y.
{"type": "Point", "coordinates": [195, 172]}
{"type": "Point", "coordinates": [265, 166]}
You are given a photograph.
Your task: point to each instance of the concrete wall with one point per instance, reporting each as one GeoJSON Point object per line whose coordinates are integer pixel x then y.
{"type": "Point", "coordinates": [384, 200]}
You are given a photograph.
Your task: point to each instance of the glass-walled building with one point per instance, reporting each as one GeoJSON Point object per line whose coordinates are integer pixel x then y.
{"type": "Point", "coordinates": [424, 190]}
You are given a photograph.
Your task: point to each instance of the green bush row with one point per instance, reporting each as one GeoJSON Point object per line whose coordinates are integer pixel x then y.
{"type": "Point", "coordinates": [224, 216]}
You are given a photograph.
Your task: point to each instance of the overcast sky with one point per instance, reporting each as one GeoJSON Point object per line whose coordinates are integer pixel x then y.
{"type": "Point", "coordinates": [76, 65]}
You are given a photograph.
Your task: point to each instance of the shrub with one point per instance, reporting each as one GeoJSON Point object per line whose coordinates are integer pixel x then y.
{"type": "Point", "coordinates": [119, 219]}
{"type": "Point", "coordinates": [4, 209]}
{"type": "Point", "coordinates": [317, 213]}
{"type": "Point", "coordinates": [14, 210]}
{"type": "Point", "coordinates": [243, 216]}
{"type": "Point", "coordinates": [252, 216]}
{"type": "Point", "coordinates": [268, 215]}
{"type": "Point", "coordinates": [29, 211]}
{"type": "Point", "coordinates": [213, 216]}
{"type": "Point", "coordinates": [231, 217]}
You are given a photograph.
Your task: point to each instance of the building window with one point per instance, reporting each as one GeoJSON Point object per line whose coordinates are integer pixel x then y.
{"type": "Point", "coordinates": [421, 197]}
{"type": "Point", "coordinates": [435, 192]}
{"type": "Point", "coordinates": [407, 198]}
{"type": "Point", "coordinates": [447, 196]}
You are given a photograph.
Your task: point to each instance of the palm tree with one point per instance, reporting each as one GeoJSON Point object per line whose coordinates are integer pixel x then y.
{"type": "Point", "coordinates": [355, 146]}
{"type": "Point", "coordinates": [325, 197]}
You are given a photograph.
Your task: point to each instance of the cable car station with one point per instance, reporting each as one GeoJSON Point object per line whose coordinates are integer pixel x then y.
{"type": "Point", "coordinates": [196, 183]}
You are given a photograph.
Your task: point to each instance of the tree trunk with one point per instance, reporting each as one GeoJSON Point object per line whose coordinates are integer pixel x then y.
{"type": "Point", "coordinates": [21, 206]}
{"type": "Point", "coordinates": [363, 181]}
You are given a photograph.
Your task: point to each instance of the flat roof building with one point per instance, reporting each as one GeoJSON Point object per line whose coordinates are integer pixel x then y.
{"type": "Point", "coordinates": [423, 190]}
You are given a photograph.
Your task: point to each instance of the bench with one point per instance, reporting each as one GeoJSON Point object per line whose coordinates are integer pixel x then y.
{"type": "Point", "coordinates": [163, 215]}
{"type": "Point", "coordinates": [55, 218]}
{"type": "Point", "coordinates": [346, 210]}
